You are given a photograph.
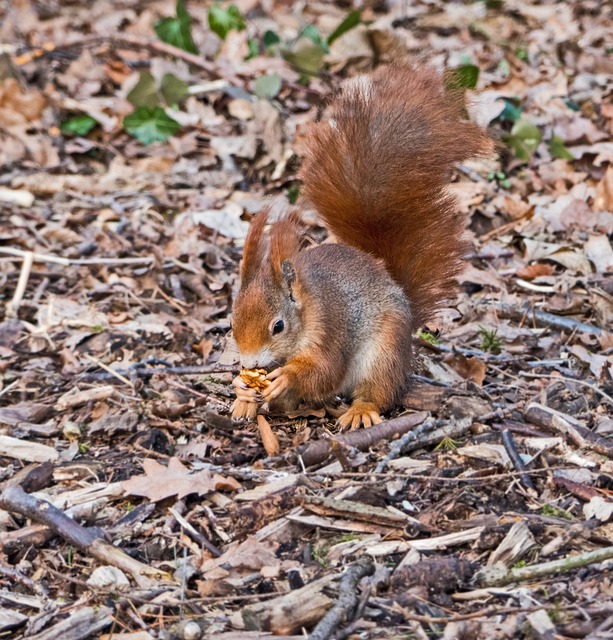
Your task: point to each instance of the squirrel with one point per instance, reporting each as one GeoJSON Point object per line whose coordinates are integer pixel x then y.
{"type": "Point", "coordinates": [339, 319]}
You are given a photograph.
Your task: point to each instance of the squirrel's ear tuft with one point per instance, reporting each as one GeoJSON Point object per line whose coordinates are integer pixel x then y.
{"type": "Point", "coordinates": [288, 275]}
{"type": "Point", "coordinates": [254, 251]}
{"type": "Point", "coordinates": [285, 238]}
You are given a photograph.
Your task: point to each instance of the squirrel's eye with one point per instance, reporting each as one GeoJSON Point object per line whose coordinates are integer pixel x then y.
{"type": "Point", "coordinates": [278, 326]}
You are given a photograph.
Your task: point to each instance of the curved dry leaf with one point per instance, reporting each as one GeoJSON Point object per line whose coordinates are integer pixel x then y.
{"type": "Point", "coordinates": [160, 482]}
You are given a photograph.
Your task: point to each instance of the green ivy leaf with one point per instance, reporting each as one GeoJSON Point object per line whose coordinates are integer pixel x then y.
{"type": "Point", "coordinates": [511, 111]}
{"type": "Point", "coordinates": [254, 49]}
{"type": "Point", "coordinates": [305, 56]}
{"type": "Point", "coordinates": [177, 31]}
{"type": "Point", "coordinates": [268, 86]}
{"type": "Point", "coordinates": [79, 125]}
{"type": "Point", "coordinates": [465, 76]}
{"type": "Point", "coordinates": [150, 125]}
{"type": "Point", "coordinates": [559, 150]}
{"type": "Point", "coordinates": [222, 21]}
{"type": "Point", "coordinates": [145, 92]}
{"type": "Point", "coordinates": [173, 89]}
{"type": "Point", "coordinates": [352, 19]}
{"type": "Point", "coordinates": [524, 139]}
{"type": "Point", "coordinates": [312, 33]}
{"type": "Point", "coordinates": [270, 39]}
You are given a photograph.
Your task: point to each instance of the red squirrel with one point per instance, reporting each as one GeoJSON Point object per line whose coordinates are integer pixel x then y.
{"type": "Point", "coordinates": [339, 319]}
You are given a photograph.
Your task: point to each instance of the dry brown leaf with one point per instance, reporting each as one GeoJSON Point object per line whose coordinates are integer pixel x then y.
{"type": "Point", "coordinates": [269, 439]}
{"type": "Point", "coordinates": [536, 270]}
{"type": "Point", "coordinates": [160, 482]}
{"type": "Point", "coordinates": [469, 368]}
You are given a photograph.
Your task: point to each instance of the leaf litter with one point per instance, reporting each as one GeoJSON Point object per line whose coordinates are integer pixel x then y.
{"type": "Point", "coordinates": [135, 142]}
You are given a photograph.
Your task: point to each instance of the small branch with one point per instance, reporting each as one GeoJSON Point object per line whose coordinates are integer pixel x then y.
{"type": "Point", "coordinates": [595, 388]}
{"type": "Point", "coordinates": [66, 262]}
{"type": "Point", "coordinates": [437, 430]}
{"type": "Point", "coordinates": [573, 431]}
{"type": "Point", "coordinates": [141, 372]}
{"type": "Point", "coordinates": [493, 577]}
{"type": "Point", "coordinates": [347, 601]}
{"type": "Point", "coordinates": [518, 463]}
{"type": "Point", "coordinates": [544, 319]}
{"type": "Point", "coordinates": [89, 540]}
{"type": "Point", "coordinates": [316, 452]}
{"type": "Point", "coordinates": [22, 283]}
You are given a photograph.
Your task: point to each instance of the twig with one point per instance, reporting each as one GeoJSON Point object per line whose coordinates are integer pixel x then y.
{"type": "Point", "coordinates": [493, 577]}
{"type": "Point", "coordinates": [585, 383]}
{"type": "Point", "coordinates": [66, 262]}
{"type": "Point", "coordinates": [89, 540]}
{"type": "Point", "coordinates": [544, 319]}
{"type": "Point", "coordinates": [316, 452]}
{"type": "Point", "coordinates": [134, 42]}
{"type": "Point", "coordinates": [509, 445]}
{"type": "Point", "coordinates": [137, 372]}
{"type": "Point", "coordinates": [399, 446]}
{"type": "Point", "coordinates": [482, 613]}
{"type": "Point", "coordinates": [22, 283]}
{"type": "Point", "coordinates": [347, 599]}
{"type": "Point", "coordinates": [109, 370]}
{"type": "Point", "coordinates": [195, 535]}
{"type": "Point", "coordinates": [577, 433]}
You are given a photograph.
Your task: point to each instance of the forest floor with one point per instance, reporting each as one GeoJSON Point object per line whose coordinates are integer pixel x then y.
{"type": "Point", "coordinates": [136, 139]}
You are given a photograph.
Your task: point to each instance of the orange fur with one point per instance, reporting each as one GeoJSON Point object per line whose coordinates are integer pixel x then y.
{"type": "Point", "coordinates": [376, 169]}
{"type": "Point", "coordinates": [285, 240]}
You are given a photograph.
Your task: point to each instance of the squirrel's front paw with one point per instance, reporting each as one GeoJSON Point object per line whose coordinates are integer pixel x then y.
{"type": "Point", "coordinates": [281, 382]}
{"type": "Point", "coordinates": [247, 401]}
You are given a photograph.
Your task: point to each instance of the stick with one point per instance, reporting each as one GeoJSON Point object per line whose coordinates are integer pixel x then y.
{"type": "Point", "coordinates": [347, 601]}
{"type": "Point", "coordinates": [492, 577]}
{"type": "Point", "coordinates": [66, 262]}
{"type": "Point", "coordinates": [544, 319]}
{"type": "Point", "coordinates": [89, 540]}
{"type": "Point", "coordinates": [573, 430]}
{"type": "Point", "coordinates": [316, 452]}
{"type": "Point", "coordinates": [22, 283]}
{"type": "Point", "coordinates": [509, 445]}
{"type": "Point", "coordinates": [141, 372]}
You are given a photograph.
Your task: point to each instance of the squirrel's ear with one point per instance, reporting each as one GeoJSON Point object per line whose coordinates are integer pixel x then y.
{"type": "Point", "coordinates": [254, 251]}
{"type": "Point", "coordinates": [288, 279]}
{"type": "Point", "coordinates": [285, 237]}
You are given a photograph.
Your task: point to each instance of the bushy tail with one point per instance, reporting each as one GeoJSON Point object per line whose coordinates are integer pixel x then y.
{"type": "Point", "coordinates": [376, 170]}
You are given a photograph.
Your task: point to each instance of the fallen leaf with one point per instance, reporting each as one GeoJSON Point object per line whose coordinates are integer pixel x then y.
{"type": "Point", "coordinates": [160, 482]}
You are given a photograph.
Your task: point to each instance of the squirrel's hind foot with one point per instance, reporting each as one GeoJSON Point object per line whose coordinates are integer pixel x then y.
{"type": "Point", "coordinates": [360, 413]}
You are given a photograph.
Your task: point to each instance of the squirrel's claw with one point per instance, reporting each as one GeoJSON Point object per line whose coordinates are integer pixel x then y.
{"type": "Point", "coordinates": [279, 385]}
{"type": "Point", "coordinates": [365, 413]}
{"type": "Point", "coordinates": [243, 410]}
{"type": "Point", "coordinates": [247, 401]}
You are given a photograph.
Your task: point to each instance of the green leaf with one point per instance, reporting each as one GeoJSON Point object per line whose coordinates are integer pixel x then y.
{"type": "Point", "coordinates": [524, 139]}
{"type": "Point", "coordinates": [78, 125]}
{"type": "Point", "coordinates": [177, 31]}
{"type": "Point", "coordinates": [464, 77]}
{"type": "Point", "coordinates": [173, 89]}
{"type": "Point", "coordinates": [254, 49]}
{"type": "Point", "coordinates": [182, 14]}
{"type": "Point", "coordinates": [511, 111]}
{"type": "Point", "coordinates": [312, 33]}
{"type": "Point", "coordinates": [306, 57]}
{"type": "Point", "coordinates": [268, 86]}
{"type": "Point", "coordinates": [222, 21]}
{"type": "Point", "coordinates": [352, 19]}
{"type": "Point", "coordinates": [145, 92]}
{"type": "Point", "coordinates": [150, 125]}
{"type": "Point", "coordinates": [559, 150]}
{"type": "Point", "coordinates": [270, 39]}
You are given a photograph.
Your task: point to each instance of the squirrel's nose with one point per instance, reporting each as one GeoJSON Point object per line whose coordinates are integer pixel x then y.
{"type": "Point", "coordinates": [249, 361]}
